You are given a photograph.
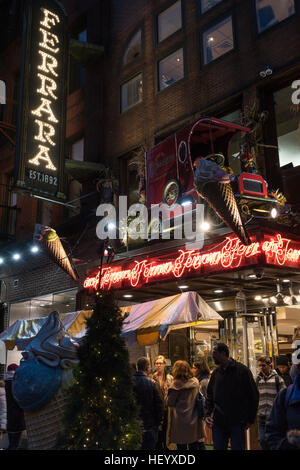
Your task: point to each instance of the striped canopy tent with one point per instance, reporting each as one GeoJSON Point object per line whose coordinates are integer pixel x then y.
{"type": "Point", "coordinates": [145, 322]}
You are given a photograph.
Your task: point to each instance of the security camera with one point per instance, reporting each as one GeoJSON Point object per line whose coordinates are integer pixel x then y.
{"type": "Point", "coordinates": [259, 273]}
{"type": "Point", "coordinates": [269, 70]}
{"type": "Point", "coordinates": [266, 72]}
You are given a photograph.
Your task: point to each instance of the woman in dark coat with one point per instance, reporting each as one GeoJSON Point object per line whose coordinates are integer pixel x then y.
{"type": "Point", "coordinates": [15, 415]}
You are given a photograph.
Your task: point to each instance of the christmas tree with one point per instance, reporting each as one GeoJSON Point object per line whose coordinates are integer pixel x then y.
{"type": "Point", "coordinates": [101, 411]}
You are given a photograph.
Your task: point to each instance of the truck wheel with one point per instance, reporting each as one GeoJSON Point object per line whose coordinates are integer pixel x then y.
{"type": "Point", "coordinates": [171, 192]}
{"type": "Point", "coordinates": [155, 226]}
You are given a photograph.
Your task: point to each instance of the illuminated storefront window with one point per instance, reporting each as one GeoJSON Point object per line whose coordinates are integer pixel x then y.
{"type": "Point", "coordinates": [38, 307]}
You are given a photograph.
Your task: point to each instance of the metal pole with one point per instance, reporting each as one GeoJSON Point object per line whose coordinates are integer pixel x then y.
{"type": "Point", "coordinates": [245, 341]}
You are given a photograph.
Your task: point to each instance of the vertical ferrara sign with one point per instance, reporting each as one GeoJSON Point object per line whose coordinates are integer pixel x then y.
{"type": "Point", "coordinates": [41, 123]}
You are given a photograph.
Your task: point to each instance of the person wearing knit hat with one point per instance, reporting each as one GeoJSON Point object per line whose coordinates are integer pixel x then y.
{"type": "Point", "coordinates": [15, 415]}
{"type": "Point", "coordinates": [283, 369]}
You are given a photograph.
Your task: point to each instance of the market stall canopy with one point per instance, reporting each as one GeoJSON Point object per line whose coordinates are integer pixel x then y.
{"type": "Point", "coordinates": [149, 321]}
{"type": "Point", "coordinates": [144, 323]}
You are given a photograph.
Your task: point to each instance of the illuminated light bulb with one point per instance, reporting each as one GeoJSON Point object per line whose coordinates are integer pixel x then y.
{"type": "Point", "coordinates": [1, 260]}
{"type": "Point", "coordinates": [273, 299]}
{"type": "Point", "coordinates": [205, 226]}
{"type": "Point", "coordinates": [183, 287]}
{"type": "Point", "coordinates": [265, 299]}
{"type": "Point", "coordinates": [128, 296]}
{"type": "Point", "coordinates": [16, 256]}
{"type": "Point", "coordinates": [274, 213]}
{"type": "Point", "coordinates": [218, 291]}
{"type": "Point", "coordinates": [258, 297]}
{"type": "Point", "coordinates": [186, 203]}
{"type": "Point", "coordinates": [34, 249]}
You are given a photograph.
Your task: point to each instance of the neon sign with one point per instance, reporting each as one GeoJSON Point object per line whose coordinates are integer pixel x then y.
{"type": "Point", "coordinates": [40, 147]}
{"type": "Point", "coordinates": [232, 254]}
{"type": "Point", "coordinates": [46, 131]}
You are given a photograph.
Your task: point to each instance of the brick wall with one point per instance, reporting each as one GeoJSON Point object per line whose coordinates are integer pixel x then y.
{"type": "Point", "coordinates": [202, 85]}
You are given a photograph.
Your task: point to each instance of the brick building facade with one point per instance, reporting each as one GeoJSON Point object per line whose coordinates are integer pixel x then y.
{"type": "Point", "coordinates": [121, 101]}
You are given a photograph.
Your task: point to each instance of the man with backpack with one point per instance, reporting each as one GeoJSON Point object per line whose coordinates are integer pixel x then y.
{"type": "Point", "coordinates": [269, 384]}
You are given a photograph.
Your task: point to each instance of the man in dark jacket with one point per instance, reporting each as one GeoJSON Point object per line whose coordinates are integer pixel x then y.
{"type": "Point", "coordinates": [232, 400]}
{"type": "Point", "coordinates": [150, 401]}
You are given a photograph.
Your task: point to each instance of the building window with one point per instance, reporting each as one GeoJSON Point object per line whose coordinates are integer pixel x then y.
{"type": "Point", "coordinates": [208, 4]}
{"type": "Point", "coordinates": [169, 21]}
{"type": "Point", "coordinates": [9, 208]}
{"type": "Point", "coordinates": [234, 146]}
{"type": "Point", "coordinates": [287, 126]}
{"type": "Point", "coordinates": [271, 12]}
{"type": "Point", "coordinates": [74, 186]}
{"type": "Point", "coordinates": [77, 75]}
{"type": "Point", "coordinates": [131, 92]}
{"type": "Point", "coordinates": [15, 100]}
{"type": "Point", "coordinates": [77, 150]}
{"type": "Point", "coordinates": [171, 69]}
{"type": "Point", "coordinates": [218, 40]}
{"type": "Point", "coordinates": [134, 49]}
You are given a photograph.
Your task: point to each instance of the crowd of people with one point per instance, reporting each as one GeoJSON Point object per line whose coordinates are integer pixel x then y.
{"type": "Point", "coordinates": [233, 401]}
{"type": "Point", "coordinates": [178, 408]}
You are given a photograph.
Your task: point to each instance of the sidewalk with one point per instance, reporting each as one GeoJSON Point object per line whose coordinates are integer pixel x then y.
{"type": "Point", "coordinates": [4, 441]}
